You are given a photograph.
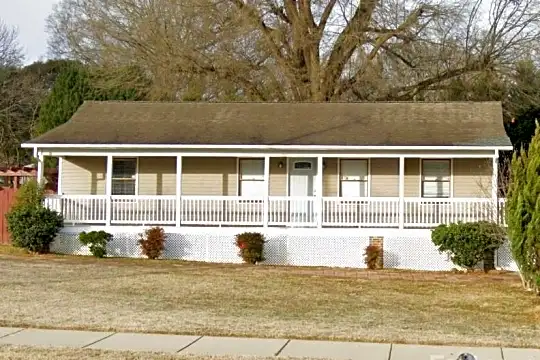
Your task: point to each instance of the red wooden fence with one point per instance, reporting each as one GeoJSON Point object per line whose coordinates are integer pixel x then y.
{"type": "Point", "coordinates": [7, 196]}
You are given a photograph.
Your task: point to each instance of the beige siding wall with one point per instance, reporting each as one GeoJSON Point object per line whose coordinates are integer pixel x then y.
{"type": "Point", "coordinates": [472, 177]}
{"type": "Point", "coordinates": [384, 177]}
{"type": "Point", "coordinates": [278, 177]}
{"type": "Point", "coordinates": [157, 176]}
{"type": "Point", "coordinates": [330, 177]}
{"type": "Point", "coordinates": [412, 177]}
{"type": "Point", "coordinates": [209, 176]}
{"type": "Point", "coordinates": [83, 175]}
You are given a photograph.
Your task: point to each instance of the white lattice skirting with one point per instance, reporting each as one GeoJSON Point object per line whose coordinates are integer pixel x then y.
{"type": "Point", "coordinates": [403, 249]}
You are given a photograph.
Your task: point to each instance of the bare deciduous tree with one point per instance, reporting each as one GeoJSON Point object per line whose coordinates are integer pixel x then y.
{"type": "Point", "coordinates": [299, 49]}
{"type": "Point", "coordinates": [20, 96]}
{"type": "Point", "coordinates": [10, 51]}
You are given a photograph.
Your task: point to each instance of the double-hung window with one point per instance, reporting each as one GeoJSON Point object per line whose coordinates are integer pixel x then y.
{"type": "Point", "coordinates": [252, 177]}
{"type": "Point", "coordinates": [436, 178]}
{"type": "Point", "coordinates": [124, 176]}
{"type": "Point", "coordinates": [353, 180]}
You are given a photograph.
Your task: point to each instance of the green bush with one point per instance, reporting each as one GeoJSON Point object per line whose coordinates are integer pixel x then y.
{"type": "Point", "coordinates": [373, 257]}
{"type": "Point", "coordinates": [33, 228]}
{"type": "Point", "coordinates": [251, 247]}
{"type": "Point", "coordinates": [96, 242]}
{"type": "Point", "coordinates": [31, 225]}
{"type": "Point", "coordinates": [468, 243]}
{"type": "Point", "coordinates": [30, 194]}
{"type": "Point", "coordinates": [153, 242]}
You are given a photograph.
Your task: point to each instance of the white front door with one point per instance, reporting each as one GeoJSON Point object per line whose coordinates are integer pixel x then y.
{"type": "Point", "coordinates": [302, 174]}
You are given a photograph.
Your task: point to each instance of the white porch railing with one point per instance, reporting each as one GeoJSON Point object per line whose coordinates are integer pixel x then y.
{"type": "Point", "coordinates": [292, 211]}
{"type": "Point", "coordinates": [282, 211]}
{"type": "Point", "coordinates": [422, 212]}
{"type": "Point", "coordinates": [146, 210]}
{"type": "Point", "coordinates": [373, 212]}
{"type": "Point", "coordinates": [222, 210]}
{"type": "Point", "coordinates": [81, 209]}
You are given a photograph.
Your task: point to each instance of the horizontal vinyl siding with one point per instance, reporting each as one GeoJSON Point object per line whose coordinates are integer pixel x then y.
{"type": "Point", "coordinates": [84, 175]}
{"type": "Point", "coordinates": [330, 177]}
{"type": "Point", "coordinates": [278, 177]}
{"type": "Point", "coordinates": [209, 176]}
{"type": "Point", "coordinates": [472, 177]}
{"type": "Point", "coordinates": [384, 177]}
{"type": "Point", "coordinates": [157, 176]}
{"type": "Point", "coordinates": [412, 177]}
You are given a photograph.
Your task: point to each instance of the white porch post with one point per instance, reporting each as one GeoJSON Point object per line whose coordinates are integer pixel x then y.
{"type": "Point", "coordinates": [60, 170]}
{"type": "Point", "coordinates": [319, 206]}
{"type": "Point", "coordinates": [495, 187]}
{"type": "Point", "coordinates": [178, 190]}
{"type": "Point", "coordinates": [266, 207]}
{"type": "Point", "coordinates": [40, 166]}
{"type": "Point", "coordinates": [401, 192]}
{"type": "Point", "coordinates": [108, 190]}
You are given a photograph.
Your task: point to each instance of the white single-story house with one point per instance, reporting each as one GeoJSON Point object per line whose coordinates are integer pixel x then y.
{"type": "Point", "coordinates": [320, 180]}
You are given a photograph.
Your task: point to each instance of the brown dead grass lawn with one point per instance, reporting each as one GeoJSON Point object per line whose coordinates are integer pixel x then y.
{"type": "Point", "coordinates": [34, 353]}
{"type": "Point", "coordinates": [259, 301]}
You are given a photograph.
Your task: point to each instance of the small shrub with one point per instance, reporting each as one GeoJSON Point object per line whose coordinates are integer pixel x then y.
{"type": "Point", "coordinates": [373, 257]}
{"type": "Point", "coordinates": [33, 228]}
{"type": "Point", "coordinates": [96, 242]}
{"type": "Point", "coordinates": [468, 243]}
{"type": "Point", "coordinates": [251, 246]}
{"type": "Point", "coordinates": [31, 193]}
{"type": "Point", "coordinates": [153, 242]}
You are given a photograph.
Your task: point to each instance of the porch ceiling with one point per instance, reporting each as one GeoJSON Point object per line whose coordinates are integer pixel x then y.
{"type": "Point", "coordinates": [290, 124]}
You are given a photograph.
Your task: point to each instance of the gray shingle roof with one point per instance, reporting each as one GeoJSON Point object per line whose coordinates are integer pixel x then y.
{"type": "Point", "coordinates": [341, 124]}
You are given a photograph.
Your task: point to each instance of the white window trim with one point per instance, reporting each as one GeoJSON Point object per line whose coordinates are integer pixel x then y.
{"type": "Point", "coordinates": [368, 181]}
{"type": "Point", "coordinates": [239, 174]}
{"type": "Point", "coordinates": [136, 173]}
{"type": "Point", "coordinates": [421, 176]}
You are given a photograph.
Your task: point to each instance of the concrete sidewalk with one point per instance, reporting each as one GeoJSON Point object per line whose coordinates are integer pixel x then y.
{"type": "Point", "coordinates": [225, 346]}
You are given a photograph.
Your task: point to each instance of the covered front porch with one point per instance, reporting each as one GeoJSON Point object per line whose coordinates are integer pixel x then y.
{"type": "Point", "coordinates": [334, 189]}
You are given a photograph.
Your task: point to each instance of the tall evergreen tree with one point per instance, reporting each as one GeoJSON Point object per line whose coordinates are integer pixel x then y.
{"type": "Point", "coordinates": [523, 213]}
{"type": "Point", "coordinates": [71, 88]}
{"type": "Point", "coordinates": [76, 83]}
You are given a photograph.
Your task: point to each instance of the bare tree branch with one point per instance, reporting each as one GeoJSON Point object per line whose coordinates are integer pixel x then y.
{"type": "Point", "coordinates": [10, 51]}
{"type": "Point", "coordinates": [301, 49]}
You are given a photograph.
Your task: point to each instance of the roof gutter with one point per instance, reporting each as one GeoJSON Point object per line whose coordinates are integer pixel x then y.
{"type": "Point", "coordinates": [259, 147]}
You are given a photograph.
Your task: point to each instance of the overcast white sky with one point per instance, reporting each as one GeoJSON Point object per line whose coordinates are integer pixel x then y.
{"type": "Point", "coordinates": [29, 17]}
